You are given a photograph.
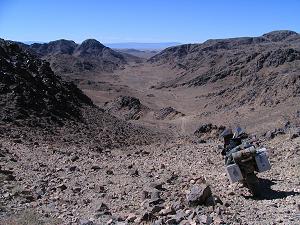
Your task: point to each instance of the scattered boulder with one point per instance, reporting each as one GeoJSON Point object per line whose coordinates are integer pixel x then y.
{"type": "Point", "coordinates": [209, 131]}
{"type": "Point", "coordinates": [273, 133]}
{"type": "Point", "coordinates": [126, 107]}
{"type": "Point", "coordinates": [103, 209]}
{"type": "Point", "coordinates": [168, 113]}
{"type": "Point", "coordinates": [198, 194]}
{"type": "Point", "coordinates": [294, 133]}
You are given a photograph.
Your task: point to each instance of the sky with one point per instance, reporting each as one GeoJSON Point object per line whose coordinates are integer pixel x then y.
{"type": "Point", "coordinates": [113, 21]}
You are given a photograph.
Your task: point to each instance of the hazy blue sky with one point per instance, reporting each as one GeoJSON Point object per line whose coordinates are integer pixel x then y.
{"type": "Point", "coordinates": [144, 20]}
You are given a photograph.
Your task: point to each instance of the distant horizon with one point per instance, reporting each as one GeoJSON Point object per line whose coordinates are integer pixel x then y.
{"type": "Point", "coordinates": [124, 45]}
{"type": "Point", "coordinates": [139, 43]}
{"type": "Point", "coordinates": [129, 42]}
{"type": "Point", "coordinates": [115, 21]}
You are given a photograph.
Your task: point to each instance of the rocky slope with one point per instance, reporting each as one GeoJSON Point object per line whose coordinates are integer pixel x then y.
{"type": "Point", "coordinates": [37, 104]}
{"type": "Point", "coordinates": [66, 56]}
{"type": "Point", "coordinates": [176, 182]}
{"type": "Point", "coordinates": [263, 70]}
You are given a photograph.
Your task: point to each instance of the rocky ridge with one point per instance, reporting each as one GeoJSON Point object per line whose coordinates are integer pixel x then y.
{"type": "Point", "coordinates": [67, 57]}
{"type": "Point", "coordinates": [255, 70]}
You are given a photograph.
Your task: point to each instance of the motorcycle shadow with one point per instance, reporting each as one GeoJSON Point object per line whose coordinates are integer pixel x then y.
{"type": "Point", "coordinates": [267, 193]}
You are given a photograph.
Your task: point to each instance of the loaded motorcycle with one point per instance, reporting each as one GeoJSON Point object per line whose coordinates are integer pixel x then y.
{"type": "Point", "coordinates": [243, 158]}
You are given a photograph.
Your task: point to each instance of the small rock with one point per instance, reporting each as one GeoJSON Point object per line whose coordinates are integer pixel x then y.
{"type": "Point", "coordinates": [72, 168]}
{"type": "Point", "coordinates": [100, 189]}
{"type": "Point", "coordinates": [134, 173]}
{"type": "Point", "coordinates": [155, 201]}
{"type": "Point", "coordinates": [171, 221]}
{"type": "Point", "coordinates": [103, 208]}
{"type": "Point", "coordinates": [147, 216]}
{"type": "Point", "coordinates": [131, 218]}
{"type": "Point", "coordinates": [158, 222]}
{"type": "Point", "coordinates": [10, 177]}
{"type": "Point", "coordinates": [167, 211]}
{"type": "Point", "coordinates": [155, 209]}
{"type": "Point", "coordinates": [205, 219]}
{"type": "Point", "coordinates": [184, 222]}
{"type": "Point", "coordinates": [62, 187]}
{"type": "Point", "coordinates": [227, 204]}
{"type": "Point", "coordinates": [158, 186]}
{"type": "Point", "coordinates": [110, 172]}
{"type": "Point", "coordinates": [295, 133]}
{"type": "Point", "coordinates": [85, 222]}
{"type": "Point", "coordinates": [177, 205]}
{"type": "Point", "coordinates": [74, 158]}
{"type": "Point", "coordinates": [76, 189]}
{"type": "Point", "coordinates": [110, 222]}
{"type": "Point", "coordinates": [155, 194]}
{"type": "Point", "coordinates": [96, 168]}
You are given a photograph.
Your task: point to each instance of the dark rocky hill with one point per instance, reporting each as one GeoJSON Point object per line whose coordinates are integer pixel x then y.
{"type": "Point", "coordinates": [67, 57]}
{"type": "Point", "coordinates": [29, 88]}
{"type": "Point", "coordinates": [55, 47]}
{"type": "Point", "coordinates": [261, 69]}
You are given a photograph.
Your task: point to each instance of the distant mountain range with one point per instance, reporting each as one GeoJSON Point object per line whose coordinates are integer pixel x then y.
{"type": "Point", "coordinates": [143, 46]}
{"type": "Point", "coordinates": [143, 54]}
{"type": "Point", "coordinates": [33, 42]}
{"type": "Point", "coordinates": [65, 56]}
{"type": "Point", "coordinates": [128, 45]}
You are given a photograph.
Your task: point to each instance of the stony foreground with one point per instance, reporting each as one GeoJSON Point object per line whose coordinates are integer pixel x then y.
{"type": "Point", "coordinates": [55, 184]}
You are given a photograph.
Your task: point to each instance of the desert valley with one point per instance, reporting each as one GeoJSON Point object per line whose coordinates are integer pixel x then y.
{"type": "Point", "coordinates": [92, 135]}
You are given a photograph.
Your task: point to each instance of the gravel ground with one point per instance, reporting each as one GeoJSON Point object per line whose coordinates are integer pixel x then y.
{"type": "Point", "coordinates": [73, 183]}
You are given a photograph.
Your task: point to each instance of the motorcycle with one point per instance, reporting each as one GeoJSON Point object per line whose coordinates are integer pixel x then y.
{"type": "Point", "coordinates": [243, 161]}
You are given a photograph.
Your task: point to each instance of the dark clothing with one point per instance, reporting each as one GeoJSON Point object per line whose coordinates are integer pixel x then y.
{"type": "Point", "coordinates": [230, 144]}
{"type": "Point", "coordinates": [228, 158]}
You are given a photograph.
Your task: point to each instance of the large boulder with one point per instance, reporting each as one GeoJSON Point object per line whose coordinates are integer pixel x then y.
{"type": "Point", "coordinates": [198, 194]}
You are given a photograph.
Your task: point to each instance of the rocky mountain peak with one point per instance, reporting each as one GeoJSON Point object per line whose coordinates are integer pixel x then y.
{"type": "Point", "coordinates": [279, 35]}
{"type": "Point", "coordinates": [90, 46]}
